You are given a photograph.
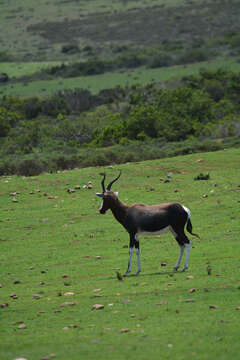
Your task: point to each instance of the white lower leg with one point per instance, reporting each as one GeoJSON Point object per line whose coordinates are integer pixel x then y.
{"type": "Point", "coordinates": [129, 261]}
{"type": "Point", "coordinates": [188, 247]}
{"type": "Point", "coordinates": [138, 261]}
{"type": "Point", "coordinates": [180, 256]}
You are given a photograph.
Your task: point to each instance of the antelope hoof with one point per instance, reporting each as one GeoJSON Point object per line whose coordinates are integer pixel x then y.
{"type": "Point", "coordinates": [138, 272]}
{"type": "Point", "coordinates": [184, 269]}
{"type": "Point", "coordinates": [126, 273]}
{"type": "Point", "coordinates": [175, 268]}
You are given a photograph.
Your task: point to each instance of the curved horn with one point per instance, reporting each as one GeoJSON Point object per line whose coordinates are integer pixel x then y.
{"type": "Point", "coordinates": [113, 181]}
{"type": "Point", "coordinates": [102, 182]}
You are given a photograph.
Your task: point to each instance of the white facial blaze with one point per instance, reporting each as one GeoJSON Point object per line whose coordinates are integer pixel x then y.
{"type": "Point", "coordinates": [101, 206]}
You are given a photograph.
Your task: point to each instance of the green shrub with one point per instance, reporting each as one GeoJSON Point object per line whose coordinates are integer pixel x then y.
{"type": "Point", "coordinates": [30, 167]}
{"type": "Point", "coordinates": [160, 60]}
{"type": "Point", "coordinates": [192, 56]}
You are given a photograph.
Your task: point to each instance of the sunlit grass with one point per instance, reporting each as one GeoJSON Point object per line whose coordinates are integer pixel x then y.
{"type": "Point", "coordinates": [54, 243]}
{"type": "Point", "coordinates": [108, 80]}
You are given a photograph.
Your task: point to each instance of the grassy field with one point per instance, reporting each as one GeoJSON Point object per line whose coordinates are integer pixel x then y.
{"type": "Point", "coordinates": [16, 18]}
{"type": "Point", "coordinates": [96, 83]}
{"type": "Point", "coordinates": [57, 249]}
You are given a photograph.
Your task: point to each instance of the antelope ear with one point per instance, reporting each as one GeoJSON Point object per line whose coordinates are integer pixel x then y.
{"type": "Point", "coordinates": [99, 195]}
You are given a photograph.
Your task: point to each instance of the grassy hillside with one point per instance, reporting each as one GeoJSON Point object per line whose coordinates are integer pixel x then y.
{"type": "Point", "coordinates": [17, 20]}
{"type": "Point", "coordinates": [96, 83]}
{"type": "Point", "coordinates": [56, 248]}
{"type": "Point", "coordinates": [143, 40]}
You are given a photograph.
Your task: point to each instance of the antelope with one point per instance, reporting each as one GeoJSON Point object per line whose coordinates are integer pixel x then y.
{"type": "Point", "coordinates": [140, 219]}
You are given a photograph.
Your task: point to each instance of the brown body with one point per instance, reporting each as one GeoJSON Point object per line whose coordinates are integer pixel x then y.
{"type": "Point", "coordinates": [148, 219]}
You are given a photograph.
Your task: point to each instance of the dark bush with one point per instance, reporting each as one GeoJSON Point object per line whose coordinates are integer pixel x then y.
{"type": "Point", "coordinates": [192, 56]}
{"type": "Point", "coordinates": [160, 60]}
{"type": "Point", "coordinates": [32, 107]}
{"type": "Point", "coordinates": [30, 167]}
{"type": "Point", "coordinates": [70, 49]}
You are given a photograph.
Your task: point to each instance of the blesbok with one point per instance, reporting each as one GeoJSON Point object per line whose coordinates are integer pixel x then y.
{"type": "Point", "coordinates": [140, 219]}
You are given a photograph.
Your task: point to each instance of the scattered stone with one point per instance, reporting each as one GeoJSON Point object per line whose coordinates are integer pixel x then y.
{"type": "Point", "coordinates": [212, 307]}
{"type": "Point", "coordinates": [69, 303]}
{"type": "Point", "coordinates": [163, 264]}
{"type": "Point", "coordinates": [126, 301]}
{"type": "Point", "coordinates": [16, 282]}
{"type": "Point", "coordinates": [14, 193]}
{"type": "Point", "coordinates": [4, 305]}
{"type": "Point", "coordinates": [69, 293]}
{"type": "Point", "coordinates": [70, 191]}
{"type": "Point", "coordinates": [22, 326]}
{"type": "Point", "coordinates": [191, 290]}
{"type": "Point", "coordinates": [190, 300]}
{"type": "Point", "coordinates": [162, 303]}
{"type": "Point", "coordinates": [238, 308]}
{"type": "Point", "coordinates": [189, 277]}
{"type": "Point", "coordinates": [64, 276]}
{"type": "Point", "coordinates": [14, 296]}
{"type": "Point", "coordinates": [98, 307]}
{"type": "Point", "coordinates": [122, 331]}
{"type": "Point", "coordinates": [36, 296]}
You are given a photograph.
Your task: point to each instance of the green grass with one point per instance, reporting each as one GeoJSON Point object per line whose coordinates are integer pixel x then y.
{"type": "Point", "coordinates": [108, 80]}
{"type": "Point", "coordinates": [16, 17]}
{"type": "Point", "coordinates": [44, 238]}
{"type": "Point", "coordinates": [22, 69]}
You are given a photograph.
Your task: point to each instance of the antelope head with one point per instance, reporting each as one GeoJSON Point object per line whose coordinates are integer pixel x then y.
{"type": "Point", "coordinates": [108, 197]}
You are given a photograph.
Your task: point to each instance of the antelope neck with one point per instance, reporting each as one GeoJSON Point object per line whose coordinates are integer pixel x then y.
{"type": "Point", "coordinates": [119, 210]}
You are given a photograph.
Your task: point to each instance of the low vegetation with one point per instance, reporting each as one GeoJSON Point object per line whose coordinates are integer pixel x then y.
{"type": "Point", "coordinates": [67, 129]}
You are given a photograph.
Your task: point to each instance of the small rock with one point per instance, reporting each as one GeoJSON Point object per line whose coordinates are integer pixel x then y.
{"type": "Point", "coordinates": [68, 303]}
{"type": "Point", "coordinates": [163, 264]}
{"type": "Point", "coordinates": [70, 191]}
{"type": "Point", "coordinates": [189, 277]}
{"type": "Point", "coordinates": [4, 305]}
{"type": "Point", "coordinates": [36, 296]}
{"type": "Point", "coordinates": [98, 307]}
{"type": "Point", "coordinates": [212, 307]}
{"type": "Point", "coordinates": [191, 290]}
{"type": "Point", "coordinates": [162, 303]}
{"type": "Point", "coordinates": [16, 282]}
{"type": "Point", "coordinates": [22, 326]}
{"type": "Point", "coordinates": [69, 293]}
{"type": "Point", "coordinates": [14, 296]}
{"type": "Point", "coordinates": [122, 331]}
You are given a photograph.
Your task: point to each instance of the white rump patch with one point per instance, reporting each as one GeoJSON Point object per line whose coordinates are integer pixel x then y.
{"type": "Point", "coordinates": [187, 211]}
